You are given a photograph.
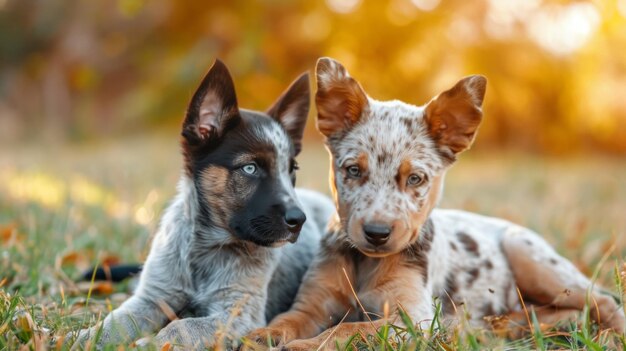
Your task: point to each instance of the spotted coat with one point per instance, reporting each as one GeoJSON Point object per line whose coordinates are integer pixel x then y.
{"type": "Point", "coordinates": [389, 160]}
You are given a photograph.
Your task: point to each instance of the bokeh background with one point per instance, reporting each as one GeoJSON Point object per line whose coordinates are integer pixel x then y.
{"type": "Point", "coordinates": [92, 94]}
{"type": "Point", "coordinates": [78, 70]}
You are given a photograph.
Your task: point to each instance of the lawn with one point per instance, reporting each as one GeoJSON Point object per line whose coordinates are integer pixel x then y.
{"type": "Point", "coordinates": [64, 208]}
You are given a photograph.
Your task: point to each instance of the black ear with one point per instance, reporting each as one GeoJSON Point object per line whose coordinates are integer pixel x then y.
{"type": "Point", "coordinates": [213, 107]}
{"type": "Point", "coordinates": [292, 109]}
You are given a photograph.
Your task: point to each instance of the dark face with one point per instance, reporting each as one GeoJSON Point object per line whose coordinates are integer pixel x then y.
{"type": "Point", "coordinates": [246, 183]}
{"type": "Point", "coordinates": [243, 162]}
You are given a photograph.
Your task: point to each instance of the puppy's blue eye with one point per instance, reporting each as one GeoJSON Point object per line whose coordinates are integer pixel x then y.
{"type": "Point", "coordinates": [250, 168]}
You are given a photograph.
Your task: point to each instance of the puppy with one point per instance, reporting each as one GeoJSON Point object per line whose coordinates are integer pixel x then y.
{"type": "Point", "coordinates": [225, 257]}
{"type": "Point", "coordinates": [391, 246]}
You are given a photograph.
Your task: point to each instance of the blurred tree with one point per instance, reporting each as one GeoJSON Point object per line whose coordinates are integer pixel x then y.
{"type": "Point", "coordinates": [90, 68]}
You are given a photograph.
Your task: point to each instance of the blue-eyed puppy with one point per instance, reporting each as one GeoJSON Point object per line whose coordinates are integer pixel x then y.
{"type": "Point", "coordinates": [225, 259]}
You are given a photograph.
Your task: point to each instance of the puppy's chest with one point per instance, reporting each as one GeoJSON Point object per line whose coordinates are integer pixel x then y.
{"type": "Point", "coordinates": [372, 287]}
{"type": "Point", "coordinates": [223, 277]}
{"type": "Point", "coordinates": [368, 276]}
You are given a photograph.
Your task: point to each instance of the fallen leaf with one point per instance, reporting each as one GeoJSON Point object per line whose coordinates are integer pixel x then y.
{"type": "Point", "coordinates": [110, 260]}
{"type": "Point", "coordinates": [8, 232]}
{"type": "Point", "coordinates": [97, 288]}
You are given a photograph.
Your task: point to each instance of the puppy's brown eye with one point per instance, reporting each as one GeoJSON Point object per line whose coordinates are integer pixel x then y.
{"type": "Point", "coordinates": [353, 171]}
{"type": "Point", "coordinates": [414, 179]}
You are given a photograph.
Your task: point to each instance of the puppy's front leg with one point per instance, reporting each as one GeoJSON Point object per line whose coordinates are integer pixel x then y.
{"type": "Point", "coordinates": [323, 298]}
{"type": "Point", "coordinates": [232, 313]}
{"type": "Point", "coordinates": [134, 318]}
{"type": "Point", "coordinates": [160, 294]}
{"type": "Point", "coordinates": [399, 289]}
{"type": "Point", "coordinates": [189, 333]}
{"type": "Point", "coordinates": [344, 331]}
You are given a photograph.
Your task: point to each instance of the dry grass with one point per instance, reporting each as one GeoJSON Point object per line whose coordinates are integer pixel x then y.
{"type": "Point", "coordinates": [66, 208]}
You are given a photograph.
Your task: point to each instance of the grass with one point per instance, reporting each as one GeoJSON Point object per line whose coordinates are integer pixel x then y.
{"type": "Point", "coordinates": [64, 208]}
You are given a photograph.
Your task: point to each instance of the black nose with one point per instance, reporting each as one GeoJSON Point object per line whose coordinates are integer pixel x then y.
{"type": "Point", "coordinates": [294, 218]}
{"type": "Point", "coordinates": [376, 234]}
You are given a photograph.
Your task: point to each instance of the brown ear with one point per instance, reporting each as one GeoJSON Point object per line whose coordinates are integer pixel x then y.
{"type": "Point", "coordinates": [213, 107]}
{"type": "Point", "coordinates": [292, 109]}
{"type": "Point", "coordinates": [453, 116]}
{"type": "Point", "coordinates": [340, 100]}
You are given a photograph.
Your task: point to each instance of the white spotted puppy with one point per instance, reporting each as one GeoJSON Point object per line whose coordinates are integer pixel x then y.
{"type": "Point", "coordinates": [389, 159]}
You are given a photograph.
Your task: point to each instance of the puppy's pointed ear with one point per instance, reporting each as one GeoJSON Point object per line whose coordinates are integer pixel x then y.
{"type": "Point", "coordinates": [291, 109]}
{"type": "Point", "coordinates": [453, 116]}
{"type": "Point", "coordinates": [340, 100]}
{"type": "Point", "coordinates": [213, 107]}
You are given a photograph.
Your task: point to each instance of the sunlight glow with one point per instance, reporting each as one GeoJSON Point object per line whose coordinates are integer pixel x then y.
{"type": "Point", "coordinates": [412, 60]}
{"type": "Point", "coordinates": [343, 6]}
{"type": "Point", "coordinates": [315, 26]}
{"type": "Point", "coordinates": [146, 213]}
{"type": "Point", "coordinates": [54, 192]}
{"type": "Point", "coordinates": [426, 5]}
{"type": "Point", "coordinates": [143, 216]}
{"type": "Point", "coordinates": [401, 12]}
{"type": "Point", "coordinates": [463, 32]}
{"type": "Point", "coordinates": [87, 192]}
{"type": "Point", "coordinates": [504, 15]}
{"type": "Point", "coordinates": [558, 29]}
{"type": "Point", "coordinates": [564, 29]}
{"type": "Point", "coordinates": [37, 187]}
{"type": "Point", "coordinates": [621, 7]}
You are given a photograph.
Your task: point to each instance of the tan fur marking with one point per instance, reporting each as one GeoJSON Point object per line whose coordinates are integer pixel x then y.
{"type": "Point", "coordinates": [341, 332]}
{"type": "Point", "coordinates": [326, 296]}
{"type": "Point", "coordinates": [225, 192]}
{"type": "Point", "coordinates": [323, 299]}
{"type": "Point", "coordinates": [532, 274]}
{"type": "Point", "coordinates": [214, 181]}
{"type": "Point", "coordinates": [403, 173]}
{"type": "Point", "coordinates": [245, 158]}
{"type": "Point", "coordinates": [514, 325]}
{"type": "Point", "coordinates": [362, 161]}
{"type": "Point", "coordinates": [419, 218]}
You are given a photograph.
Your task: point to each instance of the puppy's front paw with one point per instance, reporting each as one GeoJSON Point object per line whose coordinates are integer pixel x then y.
{"type": "Point", "coordinates": [617, 321]}
{"type": "Point", "coordinates": [184, 334]}
{"type": "Point", "coordinates": [270, 336]}
{"type": "Point", "coordinates": [83, 339]}
{"type": "Point", "coordinates": [610, 314]}
{"type": "Point", "coordinates": [76, 340]}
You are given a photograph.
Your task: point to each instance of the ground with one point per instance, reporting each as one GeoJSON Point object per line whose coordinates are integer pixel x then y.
{"type": "Point", "coordinates": [64, 208]}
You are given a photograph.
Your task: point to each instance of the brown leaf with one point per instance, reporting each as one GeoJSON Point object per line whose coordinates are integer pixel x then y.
{"type": "Point", "coordinates": [8, 232]}
{"type": "Point", "coordinates": [110, 260]}
{"type": "Point", "coordinates": [71, 258]}
{"type": "Point", "coordinates": [97, 288]}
